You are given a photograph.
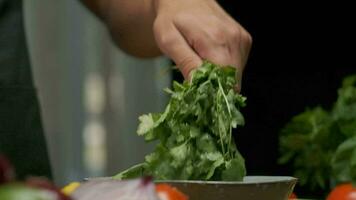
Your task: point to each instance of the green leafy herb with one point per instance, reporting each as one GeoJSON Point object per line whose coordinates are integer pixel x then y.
{"type": "Point", "coordinates": [195, 130]}
{"type": "Point", "coordinates": [321, 144]}
{"type": "Point", "coordinates": [306, 142]}
{"type": "Point", "coordinates": [344, 162]}
{"type": "Point", "coordinates": [344, 113]}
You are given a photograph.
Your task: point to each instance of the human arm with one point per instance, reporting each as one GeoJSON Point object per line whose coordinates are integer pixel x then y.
{"type": "Point", "coordinates": [187, 31]}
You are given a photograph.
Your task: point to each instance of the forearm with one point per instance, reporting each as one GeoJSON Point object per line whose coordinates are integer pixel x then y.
{"type": "Point", "coordinates": [130, 24]}
{"type": "Point", "coordinates": [98, 7]}
{"type": "Point", "coordinates": [187, 31]}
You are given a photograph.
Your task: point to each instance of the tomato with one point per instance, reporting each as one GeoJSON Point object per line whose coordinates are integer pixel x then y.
{"type": "Point", "coordinates": [343, 192]}
{"type": "Point", "coordinates": [167, 192]}
{"type": "Point", "coordinates": [7, 172]}
{"type": "Point", "coordinates": [292, 196]}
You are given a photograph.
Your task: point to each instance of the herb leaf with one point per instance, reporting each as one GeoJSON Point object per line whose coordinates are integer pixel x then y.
{"type": "Point", "coordinates": [321, 144]}
{"type": "Point", "coordinates": [194, 133]}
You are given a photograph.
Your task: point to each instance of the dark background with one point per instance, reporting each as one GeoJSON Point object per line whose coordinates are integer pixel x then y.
{"type": "Point", "coordinates": [300, 54]}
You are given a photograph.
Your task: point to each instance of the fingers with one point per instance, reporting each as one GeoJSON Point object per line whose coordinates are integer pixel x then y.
{"type": "Point", "coordinates": [174, 45]}
{"type": "Point", "coordinates": [190, 31]}
{"type": "Point", "coordinates": [220, 43]}
{"type": "Point", "coordinates": [208, 40]}
{"type": "Point", "coordinates": [245, 48]}
{"type": "Point", "coordinates": [188, 40]}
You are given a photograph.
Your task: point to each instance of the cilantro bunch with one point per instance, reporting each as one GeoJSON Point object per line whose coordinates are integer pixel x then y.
{"type": "Point", "coordinates": [194, 133]}
{"type": "Point", "coordinates": [343, 162]}
{"type": "Point", "coordinates": [321, 144]}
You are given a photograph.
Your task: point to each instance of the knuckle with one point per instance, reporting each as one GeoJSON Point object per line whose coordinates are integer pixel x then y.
{"type": "Point", "coordinates": [204, 53]}
{"type": "Point", "coordinates": [234, 31]}
{"type": "Point", "coordinates": [166, 39]}
{"type": "Point", "coordinates": [162, 36]}
{"type": "Point", "coordinates": [217, 35]}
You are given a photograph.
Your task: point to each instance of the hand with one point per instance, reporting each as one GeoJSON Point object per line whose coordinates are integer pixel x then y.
{"type": "Point", "coordinates": [189, 31]}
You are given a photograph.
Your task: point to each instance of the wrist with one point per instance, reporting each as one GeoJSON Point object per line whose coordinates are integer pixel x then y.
{"type": "Point", "coordinates": [157, 4]}
{"type": "Point", "coordinates": [124, 13]}
{"type": "Point", "coordinates": [98, 7]}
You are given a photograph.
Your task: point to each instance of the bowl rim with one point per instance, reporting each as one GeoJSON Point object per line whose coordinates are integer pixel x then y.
{"type": "Point", "coordinates": [248, 180]}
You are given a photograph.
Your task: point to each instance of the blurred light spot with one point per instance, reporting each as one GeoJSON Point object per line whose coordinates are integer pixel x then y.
{"type": "Point", "coordinates": [94, 147]}
{"type": "Point", "coordinates": [94, 94]}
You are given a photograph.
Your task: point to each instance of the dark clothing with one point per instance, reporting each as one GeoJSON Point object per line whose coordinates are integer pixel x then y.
{"type": "Point", "coordinates": [21, 135]}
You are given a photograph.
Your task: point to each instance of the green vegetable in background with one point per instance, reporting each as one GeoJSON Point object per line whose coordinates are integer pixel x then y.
{"type": "Point", "coordinates": [321, 144]}
{"type": "Point", "coordinates": [195, 130]}
{"type": "Point", "coordinates": [17, 191]}
{"type": "Point", "coordinates": [344, 162]}
{"type": "Point", "coordinates": [344, 113]}
{"type": "Point", "coordinates": [309, 141]}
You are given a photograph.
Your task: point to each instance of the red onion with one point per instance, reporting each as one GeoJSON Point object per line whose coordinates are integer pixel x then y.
{"type": "Point", "coordinates": [109, 189]}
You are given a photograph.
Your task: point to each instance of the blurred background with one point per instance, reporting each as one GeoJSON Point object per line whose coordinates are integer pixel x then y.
{"type": "Point", "coordinates": [91, 93]}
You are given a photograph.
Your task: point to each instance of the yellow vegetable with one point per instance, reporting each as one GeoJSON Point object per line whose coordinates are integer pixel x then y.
{"type": "Point", "coordinates": [70, 188]}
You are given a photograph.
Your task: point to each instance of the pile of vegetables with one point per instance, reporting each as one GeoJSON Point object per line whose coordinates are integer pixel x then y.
{"type": "Point", "coordinates": [135, 189]}
{"type": "Point", "coordinates": [321, 144]}
{"type": "Point", "coordinates": [39, 188]}
{"type": "Point", "coordinates": [33, 188]}
{"type": "Point", "coordinates": [194, 133]}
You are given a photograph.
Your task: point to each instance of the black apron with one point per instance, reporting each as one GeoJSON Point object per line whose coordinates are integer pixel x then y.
{"type": "Point", "coordinates": [21, 134]}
